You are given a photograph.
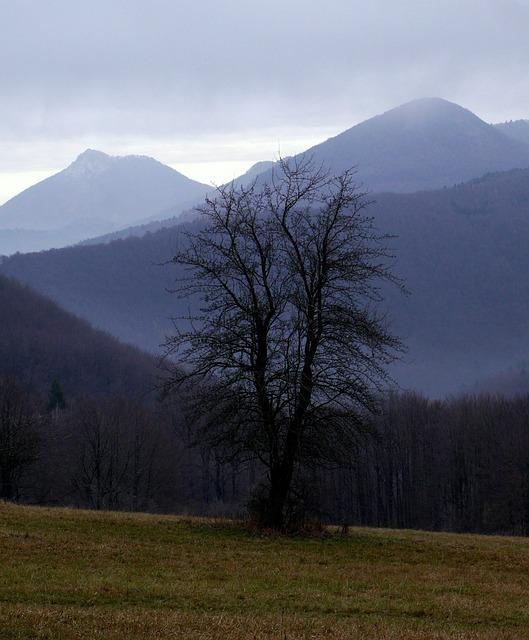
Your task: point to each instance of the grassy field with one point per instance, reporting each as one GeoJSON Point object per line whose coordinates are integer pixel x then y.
{"type": "Point", "coordinates": [80, 574]}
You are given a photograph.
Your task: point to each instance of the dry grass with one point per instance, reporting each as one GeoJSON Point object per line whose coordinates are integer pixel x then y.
{"type": "Point", "coordinates": [79, 574]}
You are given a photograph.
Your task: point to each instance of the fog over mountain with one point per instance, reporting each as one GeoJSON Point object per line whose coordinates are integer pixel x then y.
{"type": "Point", "coordinates": [423, 144]}
{"type": "Point", "coordinates": [462, 252]}
{"type": "Point", "coordinates": [95, 194]}
{"type": "Point", "coordinates": [254, 172]}
{"type": "Point", "coordinates": [460, 249]}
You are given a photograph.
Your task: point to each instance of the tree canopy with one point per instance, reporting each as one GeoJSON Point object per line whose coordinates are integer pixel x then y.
{"type": "Point", "coordinates": [289, 347]}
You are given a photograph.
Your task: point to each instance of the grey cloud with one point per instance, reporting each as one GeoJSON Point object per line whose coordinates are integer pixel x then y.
{"type": "Point", "coordinates": [157, 67]}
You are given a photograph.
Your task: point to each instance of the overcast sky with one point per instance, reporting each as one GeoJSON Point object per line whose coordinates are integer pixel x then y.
{"type": "Point", "coordinates": [211, 86]}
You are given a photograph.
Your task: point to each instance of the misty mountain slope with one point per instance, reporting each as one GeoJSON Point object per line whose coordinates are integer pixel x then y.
{"type": "Point", "coordinates": [91, 282]}
{"type": "Point", "coordinates": [461, 251]}
{"type": "Point", "coordinates": [170, 219]}
{"type": "Point", "coordinates": [13, 240]}
{"type": "Point", "coordinates": [463, 255]}
{"type": "Point", "coordinates": [515, 129]}
{"type": "Point", "coordinates": [424, 144]}
{"type": "Point", "coordinates": [138, 230]}
{"type": "Point", "coordinates": [253, 172]}
{"type": "Point", "coordinates": [40, 342]}
{"type": "Point", "coordinates": [96, 194]}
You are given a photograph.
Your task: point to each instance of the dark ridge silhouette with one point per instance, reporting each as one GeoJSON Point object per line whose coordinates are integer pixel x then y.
{"type": "Point", "coordinates": [40, 343]}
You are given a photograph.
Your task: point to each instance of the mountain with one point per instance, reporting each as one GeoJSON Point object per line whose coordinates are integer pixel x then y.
{"type": "Point", "coordinates": [169, 218]}
{"type": "Point", "coordinates": [96, 194]}
{"type": "Point", "coordinates": [515, 129]}
{"type": "Point", "coordinates": [40, 342]}
{"type": "Point", "coordinates": [462, 252]}
{"type": "Point", "coordinates": [424, 144]}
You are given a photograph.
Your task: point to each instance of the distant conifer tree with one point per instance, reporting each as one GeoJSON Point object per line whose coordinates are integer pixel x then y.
{"type": "Point", "coordinates": [56, 400]}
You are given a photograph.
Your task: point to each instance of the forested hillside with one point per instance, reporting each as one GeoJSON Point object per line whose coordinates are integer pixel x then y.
{"type": "Point", "coordinates": [81, 424]}
{"type": "Point", "coordinates": [40, 343]}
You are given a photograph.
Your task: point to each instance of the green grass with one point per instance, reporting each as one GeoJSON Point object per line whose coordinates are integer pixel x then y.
{"type": "Point", "coordinates": [80, 574]}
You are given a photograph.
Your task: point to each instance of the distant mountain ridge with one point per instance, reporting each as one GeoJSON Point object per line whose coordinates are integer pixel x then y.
{"type": "Point", "coordinates": [462, 250]}
{"type": "Point", "coordinates": [254, 172]}
{"type": "Point", "coordinates": [424, 144]}
{"type": "Point", "coordinates": [95, 194]}
{"type": "Point", "coordinates": [421, 145]}
{"type": "Point", "coordinates": [515, 129]}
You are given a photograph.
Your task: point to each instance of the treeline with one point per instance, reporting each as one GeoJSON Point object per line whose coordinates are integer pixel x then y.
{"type": "Point", "coordinates": [80, 423]}
{"type": "Point", "coordinates": [457, 465]}
{"type": "Point", "coordinates": [454, 465]}
{"type": "Point", "coordinates": [108, 453]}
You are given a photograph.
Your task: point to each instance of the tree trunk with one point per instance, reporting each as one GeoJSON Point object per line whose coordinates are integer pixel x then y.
{"type": "Point", "coordinates": [274, 516]}
{"type": "Point", "coordinates": [280, 483]}
{"type": "Point", "coordinates": [7, 489]}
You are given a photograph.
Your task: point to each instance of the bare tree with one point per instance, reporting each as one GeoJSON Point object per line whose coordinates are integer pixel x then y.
{"type": "Point", "coordinates": [288, 349]}
{"type": "Point", "coordinates": [144, 448]}
{"type": "Point", "coordinates": [103, 458]}
{"type": "Point", "coordinates": [18, 436]}
{"type": "Point", "coordinates": [116, 452]}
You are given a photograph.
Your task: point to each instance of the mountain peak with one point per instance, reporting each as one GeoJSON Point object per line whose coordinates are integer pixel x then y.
{"type": "Point", "coordinates": [92, 154]}
{"type": "Point", "coordinates": [430, 111]}
{"type": "Point", "coordinates": [90, 161]}
{"type": "Point", "coordinates": [423, 144]}
{"type": "Point", "coordinates": [98, 193]}
{"type": "Point", "coordinates": [429, 102]}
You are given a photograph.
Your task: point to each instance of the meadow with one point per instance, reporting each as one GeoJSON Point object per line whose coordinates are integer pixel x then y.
{"type": "Point", "coordinates": [71, 574]}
